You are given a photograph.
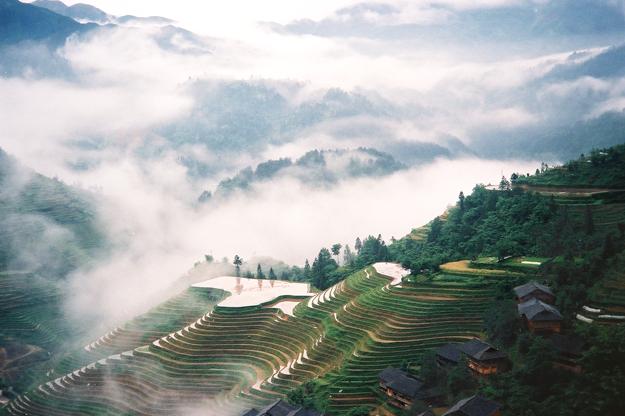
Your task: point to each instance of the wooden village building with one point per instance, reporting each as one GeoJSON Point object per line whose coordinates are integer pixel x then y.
{"type": "Point", "coordinates": [535, 290]}
{"type": "Point", "coordinates": [403, 389]}
{"type": "Point", "coordinates": [482, 358]}
{"type": "Point", "coordinates": [282, 408]}
{"type": "Point", "coordinates": [569, 350]}
{"type": "Point", "coordinates": [400, 388]}
{"type": "Point", "coordinates": [540, 317]}
{"type": "Point", "coordinates": [474, 406]}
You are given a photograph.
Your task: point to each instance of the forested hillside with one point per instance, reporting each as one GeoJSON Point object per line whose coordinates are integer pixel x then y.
{"type": "Point", "coordinates": [48, 229]}
{"type": "Point", "coordinates": [46, 225]}
{"type": "Point", "coordinates": [564, 238]}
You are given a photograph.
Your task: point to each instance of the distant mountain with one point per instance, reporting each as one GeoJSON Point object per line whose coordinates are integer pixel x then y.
{"type": "Point", "coordinates": [519, 20]}
{"type": "Point", "coordinates": [608, 64]}
{"type": "Point", "coordinates": [315, 168]}
{"type": "Point", "coordinates": [87, 13]}
{"type": "Point", "coordinates": [79, 11]}
{"type": "Point", "coordinates": [136, 20]}
{"type": "Point", "coordinates": [560, 143]}
{"type": "Point", "coordinates": [230, 116]}
{"type": "Point", "coordinates": [24, 22]}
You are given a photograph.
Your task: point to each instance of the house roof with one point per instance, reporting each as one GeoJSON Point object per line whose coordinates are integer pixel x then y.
{"type": "Point", "coordinates": [567, 344]}
{"type": "Point", "coordinates": [481, 350]}
{"type": "Point", "coordinates": [428, 394]}
{"type": "Point", "coordinates": [528, 288]}
{"type": "Point", "coordinates": [282, 408]}
{"type": "Point", "coordinates": [475, 348]}
{"type": "Point", "coordinates": [401, 382]}
{"type": "Point", "coordinates": [536, 310]}
{"type": "Point", "coordinates": [473, 406]}
{"type": "Point", "coordinates": [450, 352]}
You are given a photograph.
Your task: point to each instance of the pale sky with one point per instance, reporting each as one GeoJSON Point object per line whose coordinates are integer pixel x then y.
{"type": "Point", "coordinates": [220, 18]}
{"type": "Point", "coordinates": [238, 18]}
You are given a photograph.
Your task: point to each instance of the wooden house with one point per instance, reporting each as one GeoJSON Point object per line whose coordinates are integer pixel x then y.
{"type": "Point", "coordinates": [540, 317]}
{"type": "Point", "coordinates": [474, 406]}
{"type": "Point", "coordinates": [536, 290]}
{"type": "Point", "coordinates": [569, 349]}
{"type": "Point", "coordinates": [482, 358]}
{"type": "Point", "coordinates": [400, 388]}
{"type": "Point", "coordinates": [282, 408]}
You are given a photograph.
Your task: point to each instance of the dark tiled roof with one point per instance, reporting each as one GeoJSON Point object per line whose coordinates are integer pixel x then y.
{"type": "Point", "coordinates": [536, 310]}
{"type": "Point", "coordinates": [567, 344]}
{"type": "Point", "coordinates": [304, 412]}
{"type": "Point", "coordinates": [401, 382]}
{"type": "Point", "coordinates": [526, 289]}
{"type": "Point", "coordinates": [475, 348]}
{"type": "Point", "coordinates": [481, 350]}
{"type": "Point", "coordinates": [282, 408]}
{"type": "Point", "coordinates": [473, 406]}
{"type": "Point", "coordinates": [431, 393]}
{"type": "Point", "coordinates": [450, 352]}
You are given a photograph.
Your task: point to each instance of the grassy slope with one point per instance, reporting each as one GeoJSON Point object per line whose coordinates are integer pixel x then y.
{"type": "Point", "coordinates": [48, 229]}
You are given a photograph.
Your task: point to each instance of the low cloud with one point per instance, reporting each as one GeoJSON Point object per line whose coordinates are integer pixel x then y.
{"type": "Point", "coordinates": [161, 235]}
{"type": "Point", "coordinates": [109, 128]}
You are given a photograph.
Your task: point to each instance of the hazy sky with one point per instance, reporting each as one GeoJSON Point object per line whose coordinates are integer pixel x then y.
{"type": "Point", "coordinates": [238, 18]}
{"type": "Point", "coordinates": [220, 18]}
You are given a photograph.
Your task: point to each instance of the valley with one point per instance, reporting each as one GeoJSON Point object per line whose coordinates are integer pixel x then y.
{"type": "Point", "coordinates": [231, 343]}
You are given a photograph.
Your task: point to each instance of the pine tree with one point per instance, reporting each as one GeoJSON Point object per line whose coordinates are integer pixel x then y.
{"type": "Point", "coordinates": [358, 245]}
{"type": "Point", "coordinates": [348, 256]}
{"type": "Point", "coordinates": [259, 272]}
{"type": "Point", "coordinates": [307, 271]}
{"type": "Point", "coordinates": [238, 261]}
{"type": "Point", "coordinates": [336, 250]}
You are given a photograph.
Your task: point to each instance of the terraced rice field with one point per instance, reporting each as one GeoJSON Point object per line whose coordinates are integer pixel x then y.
{"type": "Point", "coordinates": [177, 312]}
{"type": "Point", "coordinates": [606, 302]}
{"type": "Point", "coordinates": [464, 267]}
{"type": "Point", "coordinates": [605, 217]}
{"type": "Point", "coordinates": [31, 318]}
{"type": "Point", "coordinates": [29, 310]}
{"type": "Point", "coordinates": [236, 357]}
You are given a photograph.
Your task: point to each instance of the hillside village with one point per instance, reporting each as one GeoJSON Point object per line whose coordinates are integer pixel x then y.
{"type": "Point", "coordinates": [497, 308]}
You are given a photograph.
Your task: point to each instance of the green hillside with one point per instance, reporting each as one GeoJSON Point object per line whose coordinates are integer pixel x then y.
{"type": "Point", "coordinates": [190, 355]}
{"type": "Point", "coordinates": [48, 229]}
{"type": "Point", "coordinates": [244, 356]}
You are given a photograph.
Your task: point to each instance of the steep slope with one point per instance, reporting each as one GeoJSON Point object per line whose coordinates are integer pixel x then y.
{"type": "Point", "coordinates": [238, 357]}
{"type": "Point", "coordinates": [79, 11]}
{"type": "Point", "coordinates": [48, 229]}
{"type": "Point", "coordinates": [24, 22]}
{"type": "Point", "coordinates": [46, 225]}
{"type": "Point", "coordinates": [338, 340]}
